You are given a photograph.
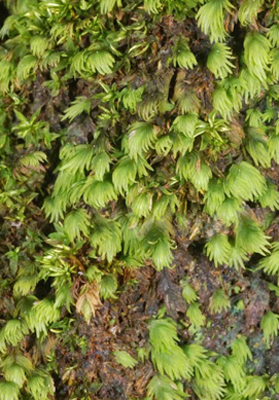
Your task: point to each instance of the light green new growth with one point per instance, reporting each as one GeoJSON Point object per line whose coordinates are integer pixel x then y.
{"type": "Point", "coordinates": [124, 358]}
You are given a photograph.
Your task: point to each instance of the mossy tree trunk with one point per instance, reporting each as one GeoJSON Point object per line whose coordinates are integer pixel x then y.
{"type": "Point", "coordinates": [139, 151]}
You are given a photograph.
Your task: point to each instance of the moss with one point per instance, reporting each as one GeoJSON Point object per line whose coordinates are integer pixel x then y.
{"type": "Point", "coordinates": [138, 185]}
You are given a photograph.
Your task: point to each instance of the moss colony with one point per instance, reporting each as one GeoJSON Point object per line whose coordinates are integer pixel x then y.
{"type": "Point", "coordinates": [139, 152]}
